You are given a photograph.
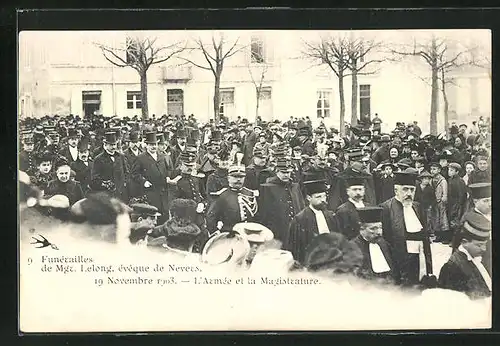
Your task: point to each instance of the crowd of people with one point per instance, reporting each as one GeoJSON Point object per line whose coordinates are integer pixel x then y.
{"type": "Point", "coordinates": [357, 201]}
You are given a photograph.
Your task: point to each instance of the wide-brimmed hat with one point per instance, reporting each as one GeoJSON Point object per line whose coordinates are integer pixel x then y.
{"type": "Point", "coordinates": [254, 232]}
{"type": "Point", "coordinates": [225, 248]}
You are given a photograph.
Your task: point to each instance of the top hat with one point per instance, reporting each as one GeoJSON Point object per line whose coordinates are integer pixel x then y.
{"type": "Point", "coordinates": [254, 232]}
{"type": "Point", "coordinates": [181, 133]}
{"type": "Point", "coordinates": [84, 144]}
{"type": "Point", "coordinates": [370, 214]}
{"type": "Point", "coordinates": [72, 132]}
{"type": "Point", "coordinates": [110, 137]}
{"type": "Point", "coordinates": [134, 137]}
{"type": "Point", "coordinates": [151, 138]}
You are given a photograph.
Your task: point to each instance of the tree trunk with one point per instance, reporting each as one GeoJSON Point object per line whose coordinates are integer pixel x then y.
{"type": "Point", "coordinates": [217, 99]}
{"type": "Point", "coordinates": [446, 104]}
{"type": "Point", "coordinates": [434, 101]}
{"type": "Point", "coordinates": [144, 94]}
{"type": "Point", "coordinates": [342, 104]}
{"type": "Point", "coordinates": [257, 93]}
{"type": "Point", "coordinates": [354, 97]}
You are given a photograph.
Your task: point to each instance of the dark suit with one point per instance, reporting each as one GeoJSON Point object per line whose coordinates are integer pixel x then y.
{"type": "Point", "coordinates": [70, 189]}
{"type": "Point", "coordinates": [146, 168]}
{"type": "Point", "coordinates": [82, 174]}
{"type": "Point", "coordinates": [394, 232]}
{"type": "Point", "coordinates": [134, 190]}
{"type": "Point", "coordinates": [348, 219]}
{"type": "Point", "coordinates": [338, 192]}
{"type": "Point", "coordinates": [67, 154]}
{"type": "Point", "coordinates": [303, 228]}
{"type": "Point", "coordinates": [105, 170]}
{"type": "Point", "coordinates": [278, 204]}
{"type": "Point", "coordinates": [460, 274]}
{"type": "Point", "coordinates": [367, 269]}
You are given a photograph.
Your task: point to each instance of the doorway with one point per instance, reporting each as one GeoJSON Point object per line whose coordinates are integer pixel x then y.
{"type": "Point", "coordinates": [91, 101]}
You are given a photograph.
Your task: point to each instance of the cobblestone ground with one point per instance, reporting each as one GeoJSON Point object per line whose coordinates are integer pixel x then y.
{"type": "Point", "coordinates": [440, 255]}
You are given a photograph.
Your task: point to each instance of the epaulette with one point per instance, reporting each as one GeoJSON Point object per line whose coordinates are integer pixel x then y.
{"type": "Point", "coordinates": [253, 192]}
{"type": "Point", "coordinates": [218, 193]}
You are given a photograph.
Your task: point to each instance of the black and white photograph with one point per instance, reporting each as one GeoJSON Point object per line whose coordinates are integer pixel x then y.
{"type": "Point", "coordinates": [237, 180]}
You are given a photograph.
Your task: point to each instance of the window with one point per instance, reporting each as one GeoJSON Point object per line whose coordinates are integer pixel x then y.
{"type": "Point", "coordinates": [226, 107]}
{"type": "Point", "coordinates": [257, 50]}
{"type": "Point", "coordinates": [265, 104]}
{"type": "Point", "coordinates": [134, 100]}
{"type": "Point", "coordinates": [323, 105]}
{"type": "Point", "coordinates": [175, 101]}
{"type": "Point", "coordinates": [91, 101]}
{"type": "Point", "coordinates": [364, 102]}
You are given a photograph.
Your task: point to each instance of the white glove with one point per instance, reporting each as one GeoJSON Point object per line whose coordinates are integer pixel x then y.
{"type": "Point", "coordinates": [219, 225]}
{"type": "Point", "coordinates": [147, 184]}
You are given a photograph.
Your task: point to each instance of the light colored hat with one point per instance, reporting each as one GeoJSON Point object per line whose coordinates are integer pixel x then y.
{"type": "Point", "coordinates": [271, 260]}
{"type": "Point", "coordinates": [254, 232]}
{"type": "Point", "coordinates": [225, 248]}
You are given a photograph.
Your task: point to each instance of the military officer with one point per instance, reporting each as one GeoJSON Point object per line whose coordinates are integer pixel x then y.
{"type": "Point", "coordinates": [232, 204]}
{"type": "Point", "coordinates": [27, 157]}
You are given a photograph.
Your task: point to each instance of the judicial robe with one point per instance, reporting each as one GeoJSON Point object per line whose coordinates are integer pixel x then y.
{"type": "Point", "coordinates": [338, 192]}
{"type": "Point", "coordinates": [406, 265]}
{"type": "Point", "coordinates": [146, 168]}
{"type": "Point", "coordinates": [105, 170]}
{"type": "Point", "coordinates": [366, 271]}
{"type": "Point", "coordinates": [460, 274]}
{"type": "Point", "coordinates": [348, 220]}
{"type": "Point", "coordinates": [279, 202]}
{"type": "Point", "coordinates": [303, 228]}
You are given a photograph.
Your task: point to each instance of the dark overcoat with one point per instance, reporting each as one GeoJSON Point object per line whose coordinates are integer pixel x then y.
{"type": "Point", "coordinates": [104, 169]}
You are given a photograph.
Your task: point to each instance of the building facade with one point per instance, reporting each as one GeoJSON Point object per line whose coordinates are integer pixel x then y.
{"type": "Point", "coordinates": [66, 73]}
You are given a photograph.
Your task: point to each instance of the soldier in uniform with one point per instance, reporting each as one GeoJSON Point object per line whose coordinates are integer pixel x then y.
{"type": "Point", "coordinates": [27, 156]}
{"type": "Point", "coordinates": [232, 204]}
{"type": "Point", "coordinates": [189, 186]}
{"type": "Point", "coordinates": [110, 171]}
{"type": "Point", "coordinates": [218, 179]}
{"type": "Point", "coordinates": [280, 200]}
{"type": "Point", "coordinates": [257, 172]}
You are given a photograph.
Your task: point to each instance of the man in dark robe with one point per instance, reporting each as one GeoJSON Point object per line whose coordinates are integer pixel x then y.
{"type": "Point", "coordinates": [465, 270]}
{"type": "Point", "coordinates": [347, 215]}
{"type": "Point", "coordinates": [338, 192]}
{"type": "Point", "coordinates": [312, 220]}
{"type": "Point", "coordinates": [279, 201]}
{"type": "Point", "coordinates": [150, 172]}
{"type": "Point", "coordinates": [377, 255]}
{"type": "Point", "coordinates": [405, 230]}
{"type": "Point", "coordinates": [110, 170]}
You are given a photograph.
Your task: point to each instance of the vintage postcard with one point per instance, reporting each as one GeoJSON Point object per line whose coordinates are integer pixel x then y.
{"type": "Point", "coordinates": [238, 180]}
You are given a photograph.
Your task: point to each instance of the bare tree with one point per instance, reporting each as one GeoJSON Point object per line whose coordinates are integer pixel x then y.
{"type": "Point", "coordinates": [481, 57]}
{"type": "Point", "coordinates": [442, 56]}
{"type": "Point", "coordinates": [331, 51]}
{"type": "Point", "coordinates": [215, 55]}
{"type": "Point", "coordinates": [140, 54]}
{"type": "Point", "coordinates": [257, 74]}
{"type": "Point", "coordinates": [358, 51]}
